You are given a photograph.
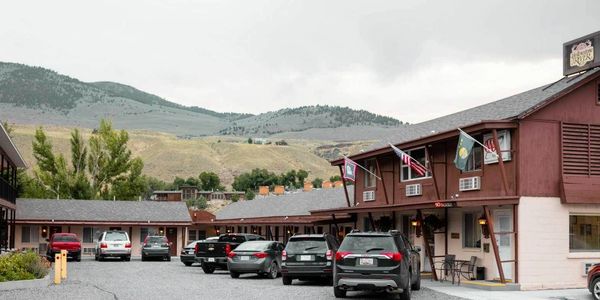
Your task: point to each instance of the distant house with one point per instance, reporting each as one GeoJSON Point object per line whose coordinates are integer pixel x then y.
{"type": "Point", "coordinates": [192, 192]}
{"type": "Point", "coordinates": [10, 160]}
{"type": "Point", "coordinates": [167, 196]}
{"type": "Point", "coordinates": [38, 219]}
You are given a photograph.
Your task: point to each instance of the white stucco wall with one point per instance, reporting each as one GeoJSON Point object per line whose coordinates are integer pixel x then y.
{"type": "Point", "coordinates": [544, 257]}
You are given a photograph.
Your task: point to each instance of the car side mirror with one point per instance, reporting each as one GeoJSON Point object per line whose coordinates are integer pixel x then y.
{"type": "Point", "coordinates": [417, 248]}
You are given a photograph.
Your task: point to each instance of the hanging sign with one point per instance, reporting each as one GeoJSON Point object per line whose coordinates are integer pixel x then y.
{"type": "Point", "coordinates": [581, 54]}
{"type": "Point", "coordinates": [503, 141]}
{"type": "Point", "coordinates": [444, 204]}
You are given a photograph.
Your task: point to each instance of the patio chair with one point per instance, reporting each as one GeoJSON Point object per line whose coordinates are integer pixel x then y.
{"type": "Point", "coordinates": [467, 269]}
{"type": "Point", "coordinates": [445, 266]}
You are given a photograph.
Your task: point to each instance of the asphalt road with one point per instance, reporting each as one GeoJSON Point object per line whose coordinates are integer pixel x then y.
{"type": "Point", "coordinates": [89, 279]}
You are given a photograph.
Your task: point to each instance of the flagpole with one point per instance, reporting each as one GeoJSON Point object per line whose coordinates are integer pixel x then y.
{"type": "Point", "coordinates": [476, 141]}
{"type": "Point", "coordinates": [345, 157]}
{"type": "Point", "coordinates": [411, 158]}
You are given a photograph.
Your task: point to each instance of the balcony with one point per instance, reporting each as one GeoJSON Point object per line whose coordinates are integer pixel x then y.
{"type": "Point", "coordinates": [7, 191]}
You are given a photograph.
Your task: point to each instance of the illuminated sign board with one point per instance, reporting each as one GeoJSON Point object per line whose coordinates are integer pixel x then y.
{"type": "Point", "coordinates": [581, 54]}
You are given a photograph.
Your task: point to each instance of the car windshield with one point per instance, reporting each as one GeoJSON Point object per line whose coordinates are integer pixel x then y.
{"type": "Point", "coordinates": [368, 244]}
{"type": "Point", "coordinates": [253, 246]}
{"type": "Point", "coordinates": [232, 239]}
{"type": "Point", "coordinates": [156, 239]}
{"type": "Point", "coordinates": [115, 237]}
{"type": "Point", "coordinates": [316, 244]}
{"type": "Point", "coordinates": [65, 238]}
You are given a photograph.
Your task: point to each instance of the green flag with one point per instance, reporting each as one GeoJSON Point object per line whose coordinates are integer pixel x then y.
{"type": "Point", "coordinates": [465, 145]}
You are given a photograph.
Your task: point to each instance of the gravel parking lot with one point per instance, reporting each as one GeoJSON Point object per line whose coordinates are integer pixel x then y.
{"type": "Point", "coordinates": [89, 279]}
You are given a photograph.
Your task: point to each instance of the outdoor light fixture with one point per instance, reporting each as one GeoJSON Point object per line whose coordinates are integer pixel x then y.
{"type": "Point", "coordinates": [414, 222]}
{"type": "Point", "coordinates": [482, 220]}
{"type": "Point", "coordinates": [161, 231]}
{"type": "Point", "coordinates": [44, 231]}
{"type": "Point", "coordinates": [484, 228]}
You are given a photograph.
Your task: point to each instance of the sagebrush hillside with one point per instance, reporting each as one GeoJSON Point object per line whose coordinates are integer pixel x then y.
{"type": "Point", "coordinates": [34, 95]}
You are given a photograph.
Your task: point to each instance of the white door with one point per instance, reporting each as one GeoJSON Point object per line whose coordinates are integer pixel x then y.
{"type": "Point", "coordinates": [503, 222]}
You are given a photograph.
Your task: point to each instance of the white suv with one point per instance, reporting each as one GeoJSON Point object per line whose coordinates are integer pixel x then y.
{"type": "Point", "coordinates": [113, 244]}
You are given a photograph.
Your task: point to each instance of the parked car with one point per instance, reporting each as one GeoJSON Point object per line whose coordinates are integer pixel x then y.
{"type": "Point", "coordinates": [593, 280]}
{"type": "Point", "coordinates": [187, 255]}
{"type": "Point", "coordinates": [261, 257]}
{"type": "Point", "coordinates": [213, 254]}
{"type": "Point", "coordinates": [308, 256]}
{"type": "Point", "coordinates": [64, 241]}
{"type": "Point", "coordinates": [113, 244]}
{"type": "Point", "coordinates": [156, 247]}
{"type": "Point", "coordinates": [376, 261]}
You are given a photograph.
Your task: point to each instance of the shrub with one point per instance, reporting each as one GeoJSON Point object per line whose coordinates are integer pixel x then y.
{"type": "Point", "coordinates": [22, 266]}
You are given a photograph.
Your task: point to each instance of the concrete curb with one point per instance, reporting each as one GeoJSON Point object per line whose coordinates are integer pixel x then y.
{"type": "Point", "coordinates": [26, 284]}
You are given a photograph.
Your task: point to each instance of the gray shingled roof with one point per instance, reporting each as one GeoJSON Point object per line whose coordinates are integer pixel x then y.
{"type": "Point", "coordinates": [504, 109]}
{"type": "Point", "coordinates": [102, 210]}
{"type": "Point", "coordinates": [292, 204]}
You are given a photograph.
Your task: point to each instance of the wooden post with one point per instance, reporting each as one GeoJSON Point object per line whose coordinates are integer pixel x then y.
{"type": "Point", "coordinates": [500, 161]}
{"type": "Point", "coordinates": [372, 222]}
{"type": "Point", "coordinates": [432, 166]}
{"type": "Point", "coordinates": [427, 248]}
{"type": "Point", "coordinates": [445, 230]}
{"type": "Point", "coordinates": [345, 188]}
{"type": "Point", "coordinates": [382, 181]}
{"type": "Point", "coordinates": [63, 264]}
{"type": "Point", "coordinates": [490, 224]}
{"type": "Point", "coordinates": [516, 237]}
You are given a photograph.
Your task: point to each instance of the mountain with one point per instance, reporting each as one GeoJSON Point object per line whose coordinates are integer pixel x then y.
{"type": "Point", "coordinates": [34, 95]}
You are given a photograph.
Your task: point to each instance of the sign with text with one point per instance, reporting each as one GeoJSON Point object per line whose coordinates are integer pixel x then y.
{"type": "Point", "coordinates": [503, 141]}
{"type": "Point", "coordinates": [581, 54]}
{"type": "Point", "coordinates": [444, 204]}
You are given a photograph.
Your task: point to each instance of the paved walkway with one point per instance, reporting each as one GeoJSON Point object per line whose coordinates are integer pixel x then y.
{"type": "Point", "coordinates": [476, 294]}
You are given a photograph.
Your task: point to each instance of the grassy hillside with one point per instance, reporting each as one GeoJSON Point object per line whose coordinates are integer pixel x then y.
{"type": "Point", "coordinates": [166, 156]}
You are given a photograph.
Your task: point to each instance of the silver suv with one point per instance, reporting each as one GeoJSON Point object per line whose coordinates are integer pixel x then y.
{"type": "Point", "coordinates": [113, 244]}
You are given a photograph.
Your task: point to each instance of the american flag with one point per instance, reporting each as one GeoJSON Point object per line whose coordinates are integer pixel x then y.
{"type": "Point", "coordinates": [409, 161]}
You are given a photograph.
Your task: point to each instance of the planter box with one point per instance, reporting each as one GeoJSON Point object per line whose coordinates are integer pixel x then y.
{"type": "Point", "coordinates": [26, 284]}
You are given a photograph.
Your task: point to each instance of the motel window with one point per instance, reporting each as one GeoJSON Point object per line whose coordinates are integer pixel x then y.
{"type": "Point", "coordinates": [29, 234]}
{"type": "Point", "coordinates": [584, 233]}
{"type": "Point", "coordinates": [419, 155]}
{"type": "Point", "coordinates": [369, 177]}
{"type": "Point", "coordinates": [90, 234]}
{"type": "Point", "coordinates": [471, 231]}
{"type": "Point", "coordinates": [144, 232]}
{"type": "Point", "coordinates": [192, 235]}
{"type": "Point", "coordinates": [475, 160]}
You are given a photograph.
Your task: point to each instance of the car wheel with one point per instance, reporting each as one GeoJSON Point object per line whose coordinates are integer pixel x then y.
{"type": "Point", "coordinates": [144, 258]}
{"type": "Point", "coordinates": [417, 285]}
{"type": "Point", "coordinates": [405, 295]}
{"type": "Point", "coordinates": [128, 258]}
{"type": "Point", "coordinates": [208, 269]}
{"type": "Point", "coordinates": [596, 288]}
{"type": "Point", "coordinates": [78, 258]}
{"type": "Point", "coordinates": [273, 271]}
{"type": "Point", "coordinates": [339, 293]}
{"type": "Point", "coordinates": [100, 258]}
{"type": "Point", "coordinates": [169, 258]}
{"type": "Point", "coordinates": [234, 274]}
{"type": "Point", "coordinates": [187, 264]}
{"type": "Point", "coordinates": [286, 280]}
{"type": "Point", "coordinates": [96, 257]}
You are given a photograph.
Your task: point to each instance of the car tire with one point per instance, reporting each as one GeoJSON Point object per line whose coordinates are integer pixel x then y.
{"type": "Point", "coordinates": [286, 280]}
{"type": "Point", "coordinates": [234, 274]}
{"type": "Point", "coordinates": [144, 258]}
{"type": "Point", "coordinates": [78, 258]}
{"type": "Point", "coordinates": [169, 258]}
{"type": "Point", "coordinates": [595, 291]}
{"type": "Point", "coordinates": [273, 271]}
{"type": "Point", "coordinates": [208, 269]}
{"type": "Point", "coordinates": [417, 285]}
{"type": "Point", "coordinates": [339, 293]}
{"type": "Point", "coordinates": [96, 257]}
{"type": "Point", "coordinates": [100, 258]}
{"type": "Point", "coordinates": [128, 258]}
{"type": "Point", "coordinates": [405, 295]}
{"type": "Point", "coordinates": [187, 264]}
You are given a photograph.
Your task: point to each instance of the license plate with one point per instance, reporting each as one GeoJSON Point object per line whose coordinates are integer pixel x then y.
{"type": "Point", "coordinates": [244, 257]}
{"type": "Point", "coordinates": [190, 252]}
{"type": "Point", "coordinates": [366, 262]}
{"type": "Point", "coordinates": [116, 245]}
{"type": "Point", "coordinates": [155, 246]}
{"type": "Point", "coordinates": [306, 258]}
{"type": "Point", "coordinates": [211, 259]}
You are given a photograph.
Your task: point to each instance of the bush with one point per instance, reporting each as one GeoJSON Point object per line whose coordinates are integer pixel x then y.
{"type": "Point", "coordinates": [249, 195]}
{"type": "Point", "coordinates": [235, 198]}
{"type": "Point", "coordinates": [22, 266]}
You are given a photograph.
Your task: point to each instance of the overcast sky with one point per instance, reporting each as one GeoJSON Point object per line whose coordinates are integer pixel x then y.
{"type": "Point", "coordinates": [410, 60]}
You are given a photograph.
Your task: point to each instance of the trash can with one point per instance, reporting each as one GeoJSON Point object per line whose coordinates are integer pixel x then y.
{"type": "Point", "coordinates": [480, 273]}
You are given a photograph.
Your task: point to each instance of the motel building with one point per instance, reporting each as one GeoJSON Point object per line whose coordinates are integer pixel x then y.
{"type": "Point", "coordinates": [530, 218]}
{"type": "Point", "coordinates": [37, 219]}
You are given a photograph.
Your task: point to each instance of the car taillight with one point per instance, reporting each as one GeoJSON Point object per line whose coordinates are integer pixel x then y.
{"type": "Point", "coordinates": [127, 245]}
{"type": "Point", "coordinates": [284, 255]}
{"type": "Point", "coordinates": [103, 245]}
{"type": "Point", "coordinates": [231, 254]}
{"type": "Point", "coordinates": [340, 255]}
{"type": "Point", "coordinates": [227, 249]}
{"type": "Point", "coordinates": [329, 255]}
{"type": "Point", "coordinates": [260, 255]}
{"type": "Point", "coordinates": [196, 248]}
{"type": "Point", "coordinates": [394, 256]}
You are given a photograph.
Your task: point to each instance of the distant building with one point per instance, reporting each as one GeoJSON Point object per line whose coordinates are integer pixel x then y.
{"type": "Point", "coordinates": [167, 196]}
{"type": "Point", "coordinates": [192, 192]}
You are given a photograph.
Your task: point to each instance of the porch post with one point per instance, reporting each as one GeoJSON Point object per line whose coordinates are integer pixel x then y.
{"type": "Point", "coordinates": [432, 166]}
{"type": "Point", "coordinates": [490, 224]}
{"type": "Point", "coordinates": [500, 161]}
{"type": "Point", "coordinates": [345, 188]}
{"type": "Point", "coordinates": [372, 222]}
{"type": "Point", "coordinates": [427, 248]}
{"type": "Point", "coordinates": [516, 237]}
{"type": "Point", "coordinates": [382, 180]}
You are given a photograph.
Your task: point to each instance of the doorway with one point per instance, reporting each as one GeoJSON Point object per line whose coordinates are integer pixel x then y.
{"type": "Point", "coordinates": [503, 222]}
{"type": "Point", "coordinates": [172, 237]}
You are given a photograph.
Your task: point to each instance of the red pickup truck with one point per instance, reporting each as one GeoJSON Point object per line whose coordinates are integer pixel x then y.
{"type": "Point", "coordinates": [64, 241]}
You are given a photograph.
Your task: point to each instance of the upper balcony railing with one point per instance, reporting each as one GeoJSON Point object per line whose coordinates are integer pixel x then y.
{"type": "Point", "coordinates": [7, 191]}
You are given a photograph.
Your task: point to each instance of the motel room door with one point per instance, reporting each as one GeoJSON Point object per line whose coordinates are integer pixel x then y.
{"type": "Point", "coordinates": [172, 237]}
{"type": "Point", "coordinates": [503, 222]}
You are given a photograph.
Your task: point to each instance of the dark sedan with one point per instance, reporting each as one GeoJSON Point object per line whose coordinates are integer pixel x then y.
{"type": "Point", "coordinates": [309, 256]}
{"type": "Point", "coordinates": [261, 257]}
{"type": "Point", "coordinates": [188, 255]}
{"type": "Point", "coordinates": [156, 247]}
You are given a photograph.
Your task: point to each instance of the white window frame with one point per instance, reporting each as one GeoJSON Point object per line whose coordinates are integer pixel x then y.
{"type": "Point", "coordinates": [477, 229]}
{"type": "Point", "coordinates": [370, 163]}
{"type": "Point", "coordinates": [33, 234]}
{"type": "Point", "coordinates": [472, 157]}
{"type": "Point", "coordinates": [410, 171]}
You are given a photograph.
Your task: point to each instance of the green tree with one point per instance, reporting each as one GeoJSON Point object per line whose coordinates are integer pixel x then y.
{"type": "Point", "coordinates": [249, 195]}
{"type": "Point", "coordinates": [335, 178]}
{"type": "Point", "coordinates": [317, 183]}
{"type": "Point", "coordinates": [210, 181]}
{"type": "Point", "coordinates": [235, 198]}
{"type": "Point", "coordinates": [249, 140]}
{"type": "Point", "coordinates": [9, 129]}
{"type": "Point", "coordinates": [301, 175]}
{"type": "Point", "coordinates": [198, 203]}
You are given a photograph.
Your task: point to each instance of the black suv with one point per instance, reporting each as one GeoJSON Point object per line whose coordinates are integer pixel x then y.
{"type": "Point", "coordinates": [308, 256]}
{"type": "Point", "coordinates": [377, 261]}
